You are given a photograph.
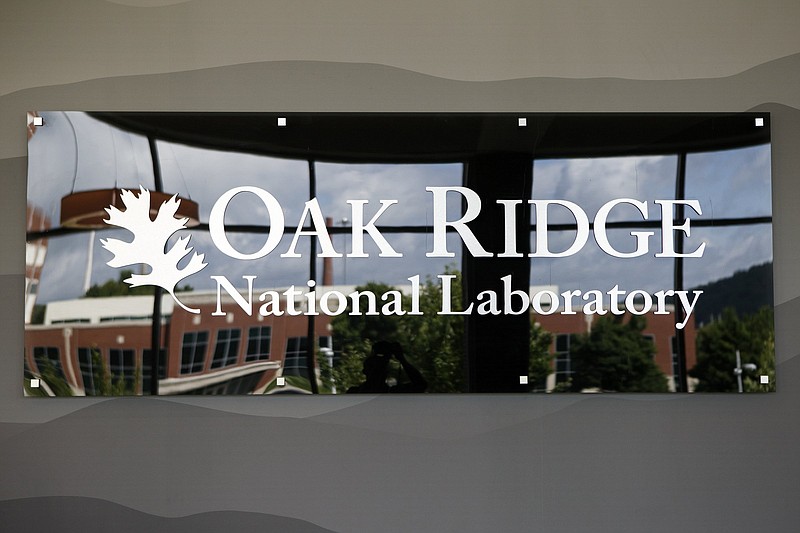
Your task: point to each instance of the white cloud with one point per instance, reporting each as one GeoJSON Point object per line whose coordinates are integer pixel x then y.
{"type": "Point", "coordinates": [592, 182]}
{"type": "Point", "coordinates": [406, 183]}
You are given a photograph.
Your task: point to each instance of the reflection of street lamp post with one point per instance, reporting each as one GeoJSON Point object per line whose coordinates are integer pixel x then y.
{"type": "Point", "coordinates": [328, 354]}
{"type": "Point", "coordinates": [739, 368]}
{"type": "Point", "coordinates": [87, 277]}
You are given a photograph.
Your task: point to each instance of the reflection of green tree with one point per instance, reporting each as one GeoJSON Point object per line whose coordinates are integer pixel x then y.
{"type": "Point", "coordinates": [753, 335]}
{"type": "Point", "coordinates": [766, 367]}
{"type": "Point", "coordinates": [616, 356]}
{"type": "Point", "coordinates": [541, 360]}
{"type": "Point", "coordinates": [432, 342]}
{"type": "Point", "coordinates": [435, 343]}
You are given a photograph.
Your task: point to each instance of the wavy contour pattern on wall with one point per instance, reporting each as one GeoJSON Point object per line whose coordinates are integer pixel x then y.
{"type": "Point", "coordinates": [461, 463]}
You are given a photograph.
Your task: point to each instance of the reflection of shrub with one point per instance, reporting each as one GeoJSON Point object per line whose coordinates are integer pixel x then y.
{"type": "Point", "coordinates": [30, 391]}
{"type": "Point", "coordinates": [106, 385]}
{"type": "Point", "coordinates": [52, 377]}
{"type": "Point", "coordinates": [297, 384]}
{"type": "Point", "coordinates": [564, 386]}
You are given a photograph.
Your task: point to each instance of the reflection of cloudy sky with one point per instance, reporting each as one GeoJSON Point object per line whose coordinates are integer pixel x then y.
{"type": "Point", "coordinates": [405, 183]}
{"type": "Point", "coordinates": [727, 184]}
{"type": "Point", "coordinates": [728, 250]}
{"type": "Point", "coordinates": [109, 157]}
{"type": "Point", "coordinates": [207, 174]}
{"type": "Point", "coordinates": [590, 183]}
{"type": "Point", "coordinates": [734, 183]}
{"type": "Point", "coordinates": [731, 183]}
{"type": "Point", "coordinates": [591, 268]}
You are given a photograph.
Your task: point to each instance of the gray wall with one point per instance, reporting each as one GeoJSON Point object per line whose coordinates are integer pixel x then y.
{"type": "Point", "coordinates": [447, 463]}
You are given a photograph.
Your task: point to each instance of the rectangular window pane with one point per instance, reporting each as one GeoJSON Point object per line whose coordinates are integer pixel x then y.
{"type": "Point", "coordinates": [258, 343]}
{"type": "Point", "coordinates": [226, 350]}
{"type": "Point", "coordinates": [193, 351]}
{"type": "Point", "coordinates": [294, 364]}
{"type": "Point", "coordinates": [123, 367]}
{"type": "Point", "coordinates": [89, 361]}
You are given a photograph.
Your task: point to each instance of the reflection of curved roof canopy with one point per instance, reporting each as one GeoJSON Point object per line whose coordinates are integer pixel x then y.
{"type": "Point", "coordinates": [443, 137]}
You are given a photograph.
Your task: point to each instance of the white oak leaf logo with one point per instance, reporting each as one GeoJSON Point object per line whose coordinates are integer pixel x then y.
{"type": "Point", "coordinates": [150, 242]}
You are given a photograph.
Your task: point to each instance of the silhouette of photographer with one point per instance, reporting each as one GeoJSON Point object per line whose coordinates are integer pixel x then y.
{"type": "Point", "coordinates": [376, 371]}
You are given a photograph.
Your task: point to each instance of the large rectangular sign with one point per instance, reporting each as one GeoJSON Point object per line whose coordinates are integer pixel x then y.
{"type": "Point", "coordinates": [266, 253]}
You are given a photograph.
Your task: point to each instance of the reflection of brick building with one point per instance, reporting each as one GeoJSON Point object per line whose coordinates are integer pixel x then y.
{"type": "Point", "coordinates": [203, 354]}
{"type": "Point", "coordinates": [660, 328]}
{"type": "Point", "coordinates": [237, 353]}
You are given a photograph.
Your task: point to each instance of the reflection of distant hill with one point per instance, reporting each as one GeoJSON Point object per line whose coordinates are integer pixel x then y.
{"type": "Point", "coordinates": [746, 291]}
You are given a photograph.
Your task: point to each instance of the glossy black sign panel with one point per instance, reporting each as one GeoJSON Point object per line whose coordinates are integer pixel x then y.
{"type": "Point", "coordinates": [330, 253]}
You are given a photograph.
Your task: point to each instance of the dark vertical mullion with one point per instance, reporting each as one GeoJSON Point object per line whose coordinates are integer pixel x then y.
{"type": "Point", "coordinates": [681, 380]}
{"type": "Point", "coordinates": [498, 347]}
{"type": "Point", "coordinates": [312, 275]}
{"type": "Point", "coordinates": [468, 363]}
{"type": "Point", "coordinates": [155, 338]}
